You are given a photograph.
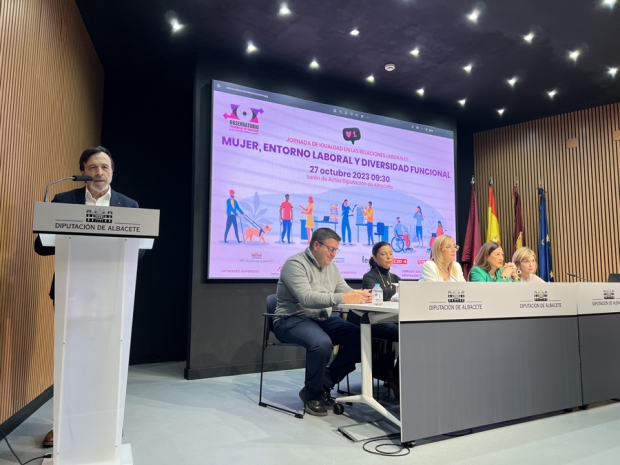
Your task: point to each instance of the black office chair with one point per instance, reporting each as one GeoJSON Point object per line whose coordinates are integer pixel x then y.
{"type": "Point", "coordinates": [380, 230]}
{"type": "Point", "coordinates": [267, 330]}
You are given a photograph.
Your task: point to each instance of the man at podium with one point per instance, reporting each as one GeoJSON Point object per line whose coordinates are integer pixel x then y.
{"type": "Point", "coordinates": [96, 162]}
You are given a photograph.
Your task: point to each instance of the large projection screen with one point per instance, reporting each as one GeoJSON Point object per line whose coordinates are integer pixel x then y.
{"type": "Point", "coordinates": [340, 169]}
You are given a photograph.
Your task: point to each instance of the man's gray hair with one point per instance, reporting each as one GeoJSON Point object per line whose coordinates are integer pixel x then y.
{"type": "Point", "coordinates": [323, 235]}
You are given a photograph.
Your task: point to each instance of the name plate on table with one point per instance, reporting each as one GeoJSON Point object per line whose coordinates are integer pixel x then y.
{"type": "Point", "coordinates": [596, 298]}
{"type": "Point", "coordinates": [64, 218]}
{"type": "Point", "coordinates": [425, 301]}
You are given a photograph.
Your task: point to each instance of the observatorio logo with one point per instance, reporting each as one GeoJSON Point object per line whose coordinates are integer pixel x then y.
{"type": "Point", "coordinates": [244, 119]}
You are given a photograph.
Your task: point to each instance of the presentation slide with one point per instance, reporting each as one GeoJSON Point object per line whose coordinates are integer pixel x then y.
{"type": "Point", "coordinates": [282, 167]}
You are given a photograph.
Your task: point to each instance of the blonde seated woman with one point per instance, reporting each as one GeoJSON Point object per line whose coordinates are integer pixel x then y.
{"type": "Point", "coordinates": [525, 261]}
{"type": "Point", "coordinates": [442, 265]}
{"type": "Point", "coordinates": [489, 266]}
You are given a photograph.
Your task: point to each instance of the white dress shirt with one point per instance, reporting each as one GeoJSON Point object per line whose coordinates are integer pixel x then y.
{"type": "Point", "coordinates": [533, 279]}
{"type": "Point", "coordinates": [103, 201]}
{"type": "Point", "coordinates": [430, 272]}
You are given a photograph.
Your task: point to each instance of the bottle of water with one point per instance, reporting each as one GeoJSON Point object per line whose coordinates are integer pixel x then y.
{"type": "Point", "coordinates": [377, 295]}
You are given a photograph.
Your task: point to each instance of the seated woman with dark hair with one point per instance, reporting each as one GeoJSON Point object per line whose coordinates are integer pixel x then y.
{"type": "Point", "coordinates": [380, 263]}
{"type": "Point", "coordinates": [488, 265]}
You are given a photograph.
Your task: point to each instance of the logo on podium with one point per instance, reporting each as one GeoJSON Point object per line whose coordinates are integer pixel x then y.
{"type": "Point", "coordinates": [609, 294]}
{"type": "Point", "coordinates": [99, 215]}
{"type": "Point", "coordinates": [540, 296]}
{"type": "Point", "coordinates": [456, 296]}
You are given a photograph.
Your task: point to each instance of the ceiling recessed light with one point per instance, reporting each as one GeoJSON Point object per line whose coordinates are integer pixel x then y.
{"type": "Point", "coordinates": [528, 38]}
{"type": "Point", "coordinates": [420, 91]}
{"type": "Point", "coordinates": [284, 10]}
{"type": "Point", "coordinates": [473, 16]}
{"type": "Point", "coordinates": [462, 102]}
{"type": "Point", "coordinates": [612, 72]}
{"type": "Point", "coordinates": [468, 68]}
{"type": "Point", "coordinates": [552, 93]}
{"type": "Point", "coordinates": [512, 81]}
{"type": "Point", "coordinates": [574, 55]}
{"type": "Point", "coordinates": [370, 78]}
{"type": "Point", "coordinates": [175, 25]}
{"type": "Point", "coordinates": [314, 64]}
{"type": "Point", "coordinates": [251, 48]}
{"type": "Point", "coordinates": [501, 111]}
{"type": "Point", "coordinates": [354, 32]}
{"type": "Point", "coordinates": [415, 52]}
{"type": "Point", "coordinates": [609, 3]}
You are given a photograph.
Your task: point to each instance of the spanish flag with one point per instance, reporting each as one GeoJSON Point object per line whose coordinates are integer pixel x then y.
{"type": "Point", "coordinates": [492, 221]}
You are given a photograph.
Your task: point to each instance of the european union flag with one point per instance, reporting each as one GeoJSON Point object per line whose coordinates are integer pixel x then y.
{"type": "Point", "coordinates": [545, 269]}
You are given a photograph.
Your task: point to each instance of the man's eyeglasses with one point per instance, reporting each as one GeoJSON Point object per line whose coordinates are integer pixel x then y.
{"type": "Point", "coordinates": [449, 247]}
{"type": "Point", "coordinates": [330, 249]}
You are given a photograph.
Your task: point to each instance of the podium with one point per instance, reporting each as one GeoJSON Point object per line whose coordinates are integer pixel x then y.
{"type": "Point", "coordinates": [97, 251]}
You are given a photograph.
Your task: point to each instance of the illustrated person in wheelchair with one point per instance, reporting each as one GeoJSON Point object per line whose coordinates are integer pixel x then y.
{"type": "Point", "coordinates": [400, 241]}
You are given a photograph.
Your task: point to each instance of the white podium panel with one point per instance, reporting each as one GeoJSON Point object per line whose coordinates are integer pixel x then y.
{"type": "Point", "coordinates": [474, 354]}
{"type": "Point", "coordinates": [595, 298]}
{"type": "Point", "coordinates": [95, 283]}
{"type": "Point", "coordinates": [64, 218]}
{"type": "Point", "coordinates": [425, 301]}
{"type": "Point", "coordinates": [96, 263]}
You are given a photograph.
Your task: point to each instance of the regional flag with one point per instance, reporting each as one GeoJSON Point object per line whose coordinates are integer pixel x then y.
{"type": "Point", "coordinates": [492, 221]}
{"type": "Point", "coordinates": [473, 241]}
{"type": "Point", "coordinates": [545, 269]}
{"type": "Point", "coordinates": [518, 238]}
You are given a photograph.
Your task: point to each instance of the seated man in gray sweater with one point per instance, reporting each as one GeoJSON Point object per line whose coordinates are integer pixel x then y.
{"type": "Point", "coordinates": [309, 286]}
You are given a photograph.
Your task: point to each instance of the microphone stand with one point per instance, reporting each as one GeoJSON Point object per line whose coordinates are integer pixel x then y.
{"type": "Point", "coordinates": [70, 178]}
{"type": "Point", "coordinates": [573, 275]}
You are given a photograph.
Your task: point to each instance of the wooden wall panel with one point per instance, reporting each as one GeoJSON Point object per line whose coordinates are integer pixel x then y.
{"type": "Point", "coordinates": [582, 185]}
{"type": "Point", "coordinates": [51, 94]}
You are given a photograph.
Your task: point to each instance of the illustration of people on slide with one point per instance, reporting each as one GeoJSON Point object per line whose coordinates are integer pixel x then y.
{"type": "Point", "coordinates": [309, 218]}
{"type": "Point", "coordinates": [439, 231]}
{"type": "Point", "coordinates": [400, 230]}
{"type": "Point", "coordinates": [286, 217]}
{"type": "Point", "coordinates": [419, 217]}
{"type": "Point", "coordinates": [369, 214]}
{"type": "Point", "coordinates": [233, 211]}
{"type": "Point", "coordinates": [347, 212]}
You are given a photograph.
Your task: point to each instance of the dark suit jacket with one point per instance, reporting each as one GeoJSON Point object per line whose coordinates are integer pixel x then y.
{"type": "Point", "coordinates": [78, 196]}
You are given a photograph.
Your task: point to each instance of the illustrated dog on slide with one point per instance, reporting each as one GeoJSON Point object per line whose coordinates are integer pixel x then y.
{"type": "Point", "coordinates": [249, 233]}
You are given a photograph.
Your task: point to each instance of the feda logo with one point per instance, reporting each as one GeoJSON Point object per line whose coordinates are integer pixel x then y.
{"type": "Point", "coordinates": [243, 119]}
{"type": "Point", "coordinates": [456, 296]}
{"type": "Point", "coordinates": [540, 296]}
{"type": "Point", "coordinates": [98, 215]}
{"type": "Point", "coordinates": [609, 294]}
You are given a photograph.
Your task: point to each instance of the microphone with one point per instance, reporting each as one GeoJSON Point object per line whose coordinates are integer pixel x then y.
{"type": "Point", "coordinates": [77, 177]}
{"type": "Point", "coordinates": [573, 275]}
{"type": "Point", "coordinates": [70, 178]}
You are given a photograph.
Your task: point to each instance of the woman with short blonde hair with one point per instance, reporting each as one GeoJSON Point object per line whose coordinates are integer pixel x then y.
{"type": "Point", "coordinates": [525, 261]}
{"type": "Point", "coordinates": [443, 266]}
